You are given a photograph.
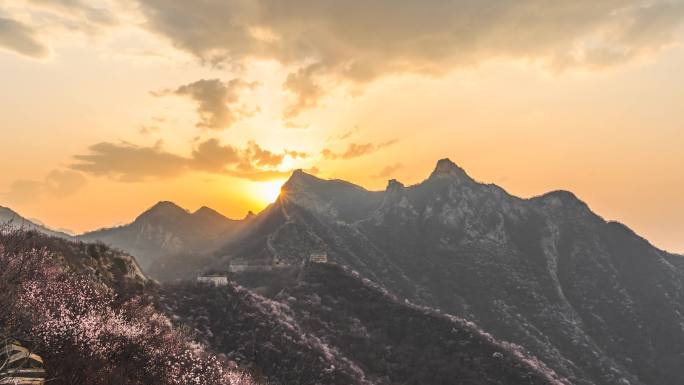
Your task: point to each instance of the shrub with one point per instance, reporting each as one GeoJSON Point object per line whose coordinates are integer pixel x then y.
{"type": "Point", "coordinates": [86, 336]}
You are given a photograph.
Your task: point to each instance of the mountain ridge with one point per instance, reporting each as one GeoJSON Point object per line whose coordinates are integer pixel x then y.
{"type": "Point", "coordinates": [544, 272]}
{"type": "Point", "coordinates": [9, 216]}
{"type": "Point", "coordinates": [167, 232]}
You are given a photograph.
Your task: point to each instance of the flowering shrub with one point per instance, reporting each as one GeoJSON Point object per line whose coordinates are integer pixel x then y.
{"type": "Point", "coordinates": [87, 336]}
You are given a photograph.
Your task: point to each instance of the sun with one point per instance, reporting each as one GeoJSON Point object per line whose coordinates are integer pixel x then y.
{"type": "Point", "coordinates": [267, 192]}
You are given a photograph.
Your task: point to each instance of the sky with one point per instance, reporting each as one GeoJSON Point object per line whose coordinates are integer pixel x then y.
{"type": "Point", "coordinates": [108, 106]}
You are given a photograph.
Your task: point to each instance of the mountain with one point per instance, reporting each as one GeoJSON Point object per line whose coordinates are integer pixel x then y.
{"type": "Point", "coordinates": [589, 297]}
{"type": "Point", "coordinates": [333, 327]}
{"type": "Point", "coordinates": [11, 217]}
{"type": "Point", "coordinates": [166, 236]}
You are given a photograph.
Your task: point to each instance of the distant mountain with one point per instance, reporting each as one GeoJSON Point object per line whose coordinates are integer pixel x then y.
{"type": "Point", "coordinates": [592, 299]}
{"type": "Point", "coordinates": [11, 217]}
{"type": "Point", "coordinates": [167, 233]}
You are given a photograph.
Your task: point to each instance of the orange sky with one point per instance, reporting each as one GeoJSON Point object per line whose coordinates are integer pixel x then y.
{"type": "Point", "coordinates": [109, 106]}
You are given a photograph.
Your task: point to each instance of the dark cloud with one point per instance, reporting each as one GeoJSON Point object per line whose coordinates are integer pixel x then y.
{"type": "Point", "coordinates": [58, 183]}
{"type": "Point", "coordinates": [131, 163]}
{"type": "Point", "coordinates": [387, 171]}
{"type": "Point", "coordinates": [218, 103]}
{"type": "Point", "coordinates": [355, 150]}
{"type": "Point", "coordinates": [354, 41]}
{"type": "Point", "coordinates": [20, 38]}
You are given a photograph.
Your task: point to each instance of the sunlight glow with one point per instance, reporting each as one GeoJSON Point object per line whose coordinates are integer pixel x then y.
{"type": "Point", "coordinates": [267, 192]}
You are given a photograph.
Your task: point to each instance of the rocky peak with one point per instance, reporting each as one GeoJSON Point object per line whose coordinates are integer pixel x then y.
{"type": "Point", "coordinates": [445, 168]}
{"type": "Point", "coordinates": [394, 186]}
{"type": "Point", "coordinates": [300, 180]}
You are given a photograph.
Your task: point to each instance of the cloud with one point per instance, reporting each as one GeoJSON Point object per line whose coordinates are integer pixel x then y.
{"type": "Point", "coordinates": [57, 183]}
{"type": "Point", "coordinates": [328, 41]}
{"type": "Point", "coordinates": [132, 163]}
{"type": "Point", "coordinates": [296, 125]}
{"type": "Point", "coordinates": [77, 14]}
{"type": "Point", "coordinates": [21, 39]}
{"type": "Point", "coordinates": [20, 21]}
{"type": "Point", "coordinates": [344, 135]}
{"type": "Point", "coordinates": [63, 182]}
{"type": "Point", "coordinates": [145, 129]}
{"type": "Point", "coordinates": [257, 155]}
{"type": "Point", "coordinates": [355, 150]}
{"type": "Point", "coordinates": [307, 91]}
{"type": "Point", "coordinates": [387, 171]}
{"type": "Point", "coordinates": [212, 156]}
{"type": "Point", "coordinates": [23, 191]}
{"type": "Point", "coordinates": [296, 154]}
{"type": "Point", "coordinates": [128, 162]}
{"type": "Point", "coordinates": [217, 102]}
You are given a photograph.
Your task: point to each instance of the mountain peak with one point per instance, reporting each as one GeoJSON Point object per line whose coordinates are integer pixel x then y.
{"type": "Point", "coordinates": [301, 175]}
{"type": "Point", "coordinates": [164, 208]}
{"type": "Point", "coordinates": [300, 180]}
{"type": "Point", "coordinates": [562, 199]}
{"type": "Point", "coordinates": [394, 185]}
{"type": "Point", "coordinates": [166, 205]}
{"type": "Point", "coordinates": [445, 168]}
{"type": "Point", "coordinates": [206, 211]}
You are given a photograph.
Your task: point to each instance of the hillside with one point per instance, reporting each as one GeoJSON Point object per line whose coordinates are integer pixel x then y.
{"type": "Point", "coordinates": [79, 307]}
{"type": "Point", "coordinates": [335, 328]}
